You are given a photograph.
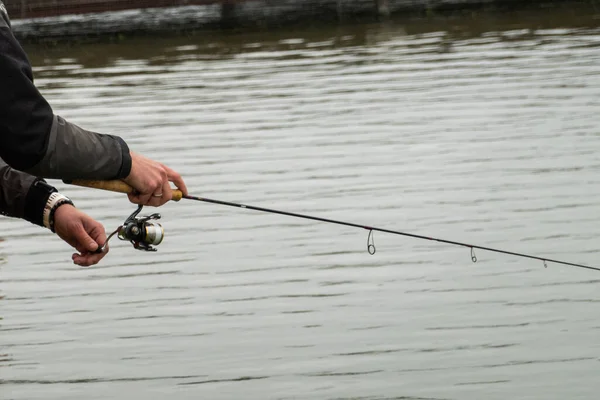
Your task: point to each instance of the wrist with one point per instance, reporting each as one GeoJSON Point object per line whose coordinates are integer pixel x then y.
{"type": "Point", "coordinates": [126, 159]}
{"type": "Point", "coordinates": [132, 166]}
{"type": "Point", "coordinates": [55, 201]}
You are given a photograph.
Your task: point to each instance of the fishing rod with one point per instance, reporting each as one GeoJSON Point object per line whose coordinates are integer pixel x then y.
{"type": "Point", "coordinates": [144, 232]}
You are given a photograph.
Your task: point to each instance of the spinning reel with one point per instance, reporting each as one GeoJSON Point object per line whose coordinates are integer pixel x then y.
{"type": "Point", "coordinates": [141, 232]}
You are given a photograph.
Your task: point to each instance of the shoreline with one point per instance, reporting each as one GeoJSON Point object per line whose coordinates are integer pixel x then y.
{"type": "Point", "coordinates": [261, 15]}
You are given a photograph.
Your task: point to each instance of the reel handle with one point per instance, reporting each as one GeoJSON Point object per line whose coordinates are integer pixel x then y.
{"type": "Point", "coordinates": [115, 186]}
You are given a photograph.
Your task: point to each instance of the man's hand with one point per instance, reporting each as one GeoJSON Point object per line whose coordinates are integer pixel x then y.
{"type": "Point", "coordinates": [82, 232]}
{"type": "Point", "coordinates": [150, 180]}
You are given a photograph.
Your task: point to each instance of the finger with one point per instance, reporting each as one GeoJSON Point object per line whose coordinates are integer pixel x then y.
{"type": "Point", "coordinates": [142, 199]}
{"type": "Point", "coordinates": [161, 195]}
{"type": "Point", "coordinates": [88, 259]}
{"type": "Point", "coordinates": [156, 201]}
{"type": "Point", "coordinates": [95, 230]}
{"type": "Point", "coordinates": [99, 236]}
{"type": "Point", "coordinates": [145, 199]}
{"type": "Point", "coordinates": [85, 260]}
{"type": "Point", "coordinates": [177, 180]}
{"type": "Point", "coordinates": [80, 260]}
{"type": "Point", "coordinates": [84, 241]}
{"type": "Point", "coordinates": [167, 193]}
{"type": "Point", "coordinates": [102, 249]}
{"type": "Point", "coordinates": [152, 198]}
{"type": "Point", "coordinates": [134, 198]}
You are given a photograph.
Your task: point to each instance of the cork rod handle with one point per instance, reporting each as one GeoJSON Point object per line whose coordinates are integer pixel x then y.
{"type": "Point", "coordinates": [116, 186]}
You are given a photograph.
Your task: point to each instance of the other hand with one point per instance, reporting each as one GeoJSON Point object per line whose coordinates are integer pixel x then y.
{"type": "Point", "coordinates": [81, 232]}
{"type": "Point", "coordinates": [150, 180]}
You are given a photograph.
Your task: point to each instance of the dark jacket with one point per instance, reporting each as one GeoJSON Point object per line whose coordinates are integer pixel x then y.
{"type": "Point", "coordinates": [23, 195]}
{"type": "Point", "coordinates": [41, 144]}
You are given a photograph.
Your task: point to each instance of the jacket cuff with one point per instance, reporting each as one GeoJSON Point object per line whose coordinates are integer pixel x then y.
{"type": "Point", "coordinates": [125, 169]}
{"type": "Point", "coordinates": [36, 200]}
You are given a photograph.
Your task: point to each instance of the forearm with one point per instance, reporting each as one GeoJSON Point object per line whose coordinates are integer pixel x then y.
{"type": "Point", "coordinates": [75, 153]}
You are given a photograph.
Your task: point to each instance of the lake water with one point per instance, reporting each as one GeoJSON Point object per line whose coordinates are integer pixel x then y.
{"type": "Point", "coordinates": [484, 132]}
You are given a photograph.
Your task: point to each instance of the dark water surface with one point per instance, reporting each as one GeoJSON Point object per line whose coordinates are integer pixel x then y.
{"type": "Point", "coordinates": [457, 130]}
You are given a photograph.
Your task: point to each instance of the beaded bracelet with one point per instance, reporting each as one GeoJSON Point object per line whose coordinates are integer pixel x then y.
{"type": "Point", "coordinates": [54, 201]}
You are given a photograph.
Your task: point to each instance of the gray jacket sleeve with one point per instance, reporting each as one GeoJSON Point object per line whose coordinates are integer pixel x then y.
{"type": "Point", "coordinates": [23, 195]}
{"type": "Point", "coordinates": [75, 153]}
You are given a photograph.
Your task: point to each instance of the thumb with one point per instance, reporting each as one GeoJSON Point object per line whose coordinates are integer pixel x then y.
{"type": "Point", "coordinates": [85, 240]}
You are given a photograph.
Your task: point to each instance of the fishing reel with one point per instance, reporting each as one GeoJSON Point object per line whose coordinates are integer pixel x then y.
{"type": "Point", "coordinates": [141, 232]}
